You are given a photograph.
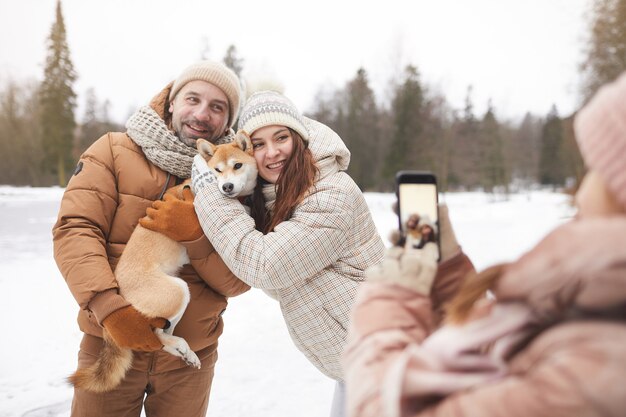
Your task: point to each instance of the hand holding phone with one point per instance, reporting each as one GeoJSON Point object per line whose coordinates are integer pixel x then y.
{"type": "Point", "coordinates": [418, 214]}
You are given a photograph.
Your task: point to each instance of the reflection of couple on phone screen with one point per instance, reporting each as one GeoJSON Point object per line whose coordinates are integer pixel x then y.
{"type": "Point", "coordinates": [420, 231]}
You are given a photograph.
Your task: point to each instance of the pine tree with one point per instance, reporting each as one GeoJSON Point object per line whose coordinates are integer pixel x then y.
{"type": "Point", "coordinates": [492, 166]}
{"type": "Point", "coordinates": [573, 165]}
{"type": "Point", "coordinates": [360, 131]}
{"type": "Point", "coordinates": [323, 109]}
{"type": "Point", "coordinates": [551, 156]}
{"type": "Point", "coordinates": [233, 61]}
{"type": "Point", "coordinates": [465, 158]}
{"type": "Point", "coordinates": [58, 101]}
{"type": "Point", "coordinates": [446, 159]}
{"type": "Point", "coordinates": [19, 136]}
{"type": "Point", "coordinates": [606, 49]}
{"type": "Point", "coordinates": [406, 109]}
{"type": "Point", "coordinates": [89, 127]}
{"type": "Point", "coordinates": [524, 150]}
{"type": "Point", "coordinates": [96, 122]}
{"type": "Point", "coordinates": [431, 150]}
{"type": "Point", "coordinates": [205, 48]}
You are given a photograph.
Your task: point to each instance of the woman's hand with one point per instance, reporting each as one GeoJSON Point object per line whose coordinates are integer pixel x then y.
{"type": "Point", "coordinates": [201, 174]}
{"type": "Point", "coordinates": [411, 268]}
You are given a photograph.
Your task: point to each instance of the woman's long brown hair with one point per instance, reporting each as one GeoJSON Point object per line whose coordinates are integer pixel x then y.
{"type": "Point", "coordinates": [294, 181]}
{"type": "Point", "coordinates": [474, 288]}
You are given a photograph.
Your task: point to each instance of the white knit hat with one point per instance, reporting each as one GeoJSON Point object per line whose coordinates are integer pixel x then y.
{"type": "Point", "coordinates": [267, 108]}
{"type": "Point", "coordinates": [601, 134]}
{"type": "Point", "coordinates": [425, 221]}
{"type": "Point", "coordinates": [217, 74]}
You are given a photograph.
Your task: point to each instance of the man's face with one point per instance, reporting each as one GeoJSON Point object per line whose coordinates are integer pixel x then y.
{"type": "Point", "coordinates": [199, 110]}
{"type": "Point", "coordinates": [412, 222]}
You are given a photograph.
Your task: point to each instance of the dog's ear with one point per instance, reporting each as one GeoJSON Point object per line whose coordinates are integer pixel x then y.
{"type": "Point", "coordinates": [243, 142]}
{"type": "Point", "coordinates": [206, 148]}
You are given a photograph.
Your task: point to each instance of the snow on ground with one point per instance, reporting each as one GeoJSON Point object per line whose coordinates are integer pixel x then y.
{"type": "Point", "coordinates": [259, 371]}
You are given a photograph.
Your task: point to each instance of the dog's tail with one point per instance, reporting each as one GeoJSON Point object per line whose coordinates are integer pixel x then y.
{"type": "Point", "coordinates": [107, 372]}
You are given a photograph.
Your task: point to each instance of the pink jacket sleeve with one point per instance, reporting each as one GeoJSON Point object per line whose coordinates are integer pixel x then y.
{"type": "Point", "coordinates": [389, 323]}
{"type": "Point", "coordinates": [386, 319]}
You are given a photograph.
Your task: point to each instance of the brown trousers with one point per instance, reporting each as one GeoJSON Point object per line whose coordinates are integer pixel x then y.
{"type": "Point", "coordinates": [178, 392]}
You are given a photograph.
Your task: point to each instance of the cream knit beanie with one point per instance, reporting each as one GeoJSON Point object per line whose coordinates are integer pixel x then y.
{"type": "Point", "coordinates": [267, 108]}
{"type": "Point", "coordinates": [601, 134]}
{"type": "Point", "coordinates": [217, 74]}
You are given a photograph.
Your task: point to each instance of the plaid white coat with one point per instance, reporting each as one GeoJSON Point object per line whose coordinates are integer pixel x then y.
{"type": "Point", "coordinates": [313, 263]}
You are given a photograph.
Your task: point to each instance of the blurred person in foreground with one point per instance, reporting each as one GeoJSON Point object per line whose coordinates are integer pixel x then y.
{"type": "Point", "coordinates": [115, 181]}
{"type": "Point", "coordinates": [553, 342]}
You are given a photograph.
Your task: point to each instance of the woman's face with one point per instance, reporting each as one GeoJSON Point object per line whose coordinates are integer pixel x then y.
{"type": "Point", "coordinates": [594, 198]}
{"type": "Point", "coordinates": [272, 146]}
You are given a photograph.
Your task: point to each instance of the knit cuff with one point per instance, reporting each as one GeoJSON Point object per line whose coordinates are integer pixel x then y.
{"type": "Point", "coordinates": [199, 248]}
{"type": "Point", "coordinates": [201, 175]}
{"type": "Point", "coordinates": [412, 269]}
{"type": "Point", "coordinates": [105, 303]}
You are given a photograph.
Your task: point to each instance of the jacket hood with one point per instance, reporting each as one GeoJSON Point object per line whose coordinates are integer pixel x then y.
{"type": "Point", "coordinates": [160, 104]}
{"type": "Point", "coordinates": [330, 153]}
{"type": "Point", "coordinates": [581, 264]}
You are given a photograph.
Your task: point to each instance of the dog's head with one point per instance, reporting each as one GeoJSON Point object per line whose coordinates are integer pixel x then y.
{"type": "Point", "coordinates": [233, 163]}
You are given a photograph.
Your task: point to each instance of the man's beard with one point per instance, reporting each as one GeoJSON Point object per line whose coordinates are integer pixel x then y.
{"type": "Point", "coordinates": [190, 140]}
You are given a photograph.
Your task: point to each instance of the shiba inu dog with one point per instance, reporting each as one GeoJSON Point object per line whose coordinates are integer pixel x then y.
{"type": "Point", "coordinates": [146, 272]}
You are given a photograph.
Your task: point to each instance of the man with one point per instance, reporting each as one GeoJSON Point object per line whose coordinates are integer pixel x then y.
{"type": "Point", "coordinates": [116, 179]}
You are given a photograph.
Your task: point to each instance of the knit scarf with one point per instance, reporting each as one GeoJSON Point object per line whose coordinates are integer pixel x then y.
{"type": "Point", "coordinates": [269, 195]}
{"type": "Point", "coordinates": [160, 145]}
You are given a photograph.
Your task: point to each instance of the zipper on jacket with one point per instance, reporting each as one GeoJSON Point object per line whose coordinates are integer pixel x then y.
{"type": "Point", "coordinates": [167, 182]}
{"type": "Point", "coordinates": [177, 181]}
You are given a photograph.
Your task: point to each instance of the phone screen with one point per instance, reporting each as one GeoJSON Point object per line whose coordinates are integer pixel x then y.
{"type": "Point", "coordinates": [418, 214]}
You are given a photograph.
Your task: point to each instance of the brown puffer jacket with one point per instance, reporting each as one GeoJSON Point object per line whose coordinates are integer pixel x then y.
{"type": "Point", "coordinates": [112, 187]}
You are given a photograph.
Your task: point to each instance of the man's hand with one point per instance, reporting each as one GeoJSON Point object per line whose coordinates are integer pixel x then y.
{"type": "Point", "coordinates": [173, 217]}
{"type": "Point", "coordinates": [131, 329]}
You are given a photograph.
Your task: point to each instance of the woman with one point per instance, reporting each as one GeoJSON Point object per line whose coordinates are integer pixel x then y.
{"type": "Point", "coordinates": [427, 232]}
{"type": "Point", "coordinates": [552, 345]}
{"type": "Point", "coordinates": [310, 235]}
{"type": "Point", "coordinates": [413, 235]}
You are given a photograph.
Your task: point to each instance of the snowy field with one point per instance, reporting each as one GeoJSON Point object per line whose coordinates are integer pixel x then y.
{"type": "Point", "coordinates": [259, 373]}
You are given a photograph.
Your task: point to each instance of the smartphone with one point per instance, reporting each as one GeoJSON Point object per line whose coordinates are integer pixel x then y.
{"type": "Point", "coordinates": [418, 213]}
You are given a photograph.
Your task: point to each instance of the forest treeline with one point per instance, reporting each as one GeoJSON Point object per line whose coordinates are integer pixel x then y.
{"type": "Point", "coordinates": [41, 137]}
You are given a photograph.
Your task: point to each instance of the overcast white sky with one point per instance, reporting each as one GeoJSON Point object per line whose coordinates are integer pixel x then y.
{"type": "Point", "coordinates": [523, 54]}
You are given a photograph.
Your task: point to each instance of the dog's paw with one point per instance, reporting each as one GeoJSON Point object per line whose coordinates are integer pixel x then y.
{"type": "Point", "coordinates": [177, 346]}
{"type": "Point", "coordinates": [190, 358]}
